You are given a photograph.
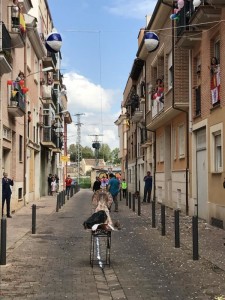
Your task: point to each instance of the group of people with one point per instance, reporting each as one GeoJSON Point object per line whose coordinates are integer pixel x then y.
{"type": "Point", "coordinates": [113, 186]}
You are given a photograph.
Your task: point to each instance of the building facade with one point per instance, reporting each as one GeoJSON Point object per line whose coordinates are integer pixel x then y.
{"type": "Point", "coordinates": [33, 114]}
{"type": "Point", "coordinates": [174, 105]}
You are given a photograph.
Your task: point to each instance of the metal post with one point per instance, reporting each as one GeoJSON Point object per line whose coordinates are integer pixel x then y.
{"type": "Point", "coordinates": [134, 197]}
{"type": "Point", "coordinates": [57, 203]}
{"type": "Point", "coordinates": [33, 219]}
{"type": "Point", "coordinates": [139, 205]}
{"type": "Point", "coordinates": [126, 198]}
{"type": "Point", "coordinates": [3, 241]}
{"type": "Point", "coordinates": [177, 228]}
{"type": "Point", "coordinates": [195, 237]}
{"type": "Point", "coordinates": [120, 195]}
{"type": "Point", "coordinates": [129, 199]}
{"type": "Point", "coordinates": [163, 219]}
{"type": "Point", "coordinates": [153, 214]}
{"type": "Point", "coordinates": [60, 202]}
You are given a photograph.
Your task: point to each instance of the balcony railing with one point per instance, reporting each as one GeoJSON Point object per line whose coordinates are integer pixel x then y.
{"type": "Point", "coordinates": [5, 54]}
{"type": "Point", "coordinates": [49, 137]}
{"type": "Point", "coordinates": [17, 27]}
{"type": "Point", "coordinates": [50, 60]}
{"type": "Point", "coordinates": [17, 104]}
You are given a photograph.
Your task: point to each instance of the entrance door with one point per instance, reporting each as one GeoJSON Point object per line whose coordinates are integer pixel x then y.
{"type": "Point", "coordinates": [201, 175]}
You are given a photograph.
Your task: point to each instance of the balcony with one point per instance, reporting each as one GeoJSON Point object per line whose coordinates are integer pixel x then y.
{"type": "Point", "coordinates": [50, 60]}
{"type": "Point", "coordinates": [16, 105]}
{"type": "Point", "coordinates": [205, 16]}
{"type": "Point", "coordinates": [5, 54]}
{"type": "Point", "coordinates": [137, 115]}
{"type": "Point", "coordinates": [49, 137]}
{"type": "Point", "coordinates": [17, 27]}
{"type": "Point", "coordinates": [46, 92]}
{"type": "Point", "coordinates": [34, 36]}
{"type": "Point", "coordinates": [26, 4]}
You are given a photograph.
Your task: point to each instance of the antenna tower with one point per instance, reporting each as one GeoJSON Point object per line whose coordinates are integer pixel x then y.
{"type": "Point", "coordinates": [78, 144]}
{"type": "Point", "coordinates": [96, 145]}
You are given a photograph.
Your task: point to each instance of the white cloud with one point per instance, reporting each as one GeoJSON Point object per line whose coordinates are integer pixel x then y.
{"type": "Point", "coordinates": [99, 108]}
{"type": "Point", "coordinates": [132, 8]}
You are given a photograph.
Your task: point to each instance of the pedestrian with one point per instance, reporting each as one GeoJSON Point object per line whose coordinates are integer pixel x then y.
{"type": "Point", "coordinates": [49, 184]}
{"type": "Point", "coordinates": [104, 182]}
{"type": "Point", "coordinates": [97, 184]}
{"type": "Point", "coordinates": [148, 187]}
{"type": "Point", "coordinates": [68, 182]}
{"type": "Point", "coordinates": [6, 193]}
{"type": "Point", "coordinates": [114, 188]}
{"type": "Point", "coordinates": [53, 186]}
{"type": "Point", "coordinates": [124, 188]}
{"type": "Point", "coordinates": [57, 182]}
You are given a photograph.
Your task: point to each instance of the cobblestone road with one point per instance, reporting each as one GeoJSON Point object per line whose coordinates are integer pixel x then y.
{"type": "Point", "coordinates": [54, 263]}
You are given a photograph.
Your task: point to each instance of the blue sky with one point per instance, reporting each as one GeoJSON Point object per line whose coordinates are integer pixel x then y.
{"type": "Point", "coordinates": [98, 50]}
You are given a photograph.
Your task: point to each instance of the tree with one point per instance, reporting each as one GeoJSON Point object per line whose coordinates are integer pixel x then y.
{"type": "Point", "coordinates": [87, 152]}
{"type": "Point", "coordinates": [105, 152]}
{"type": "Point", "coordinates": [114, 155]}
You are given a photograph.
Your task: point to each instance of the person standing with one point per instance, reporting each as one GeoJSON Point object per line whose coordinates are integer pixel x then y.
{"type": "Point", "coordinates": [49, 184]}
{"type": "Point", "coordinates": [124, 188]}
{"type": "Point", "coordinates": [97, 184]}
{"type": "Point", "coordinates": [53, 185]}
{"type": "Point", "coordinates": [148, 187]}
{"type": "Point", "coordinates": [68, 182]}
{"type": "Point", "coordinates": [114, 188]}
{"type": "Point", "coordinates": [6, 193]}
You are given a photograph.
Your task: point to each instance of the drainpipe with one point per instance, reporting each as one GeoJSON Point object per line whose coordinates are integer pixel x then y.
{"type": "Point", "coordinates": [25, 129]}
{"type": "Point", "coordinates": [136, 162]}
{"type": "Point", "coordinates": [154, 135]}
{"type": "Point", "coordinates": [187, 118]}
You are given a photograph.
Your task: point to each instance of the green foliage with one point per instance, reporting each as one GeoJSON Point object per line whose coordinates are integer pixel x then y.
{"type": "Point", "coordinates": [85, 182]}
{"type": "Point", "coordinates": [103, 153]}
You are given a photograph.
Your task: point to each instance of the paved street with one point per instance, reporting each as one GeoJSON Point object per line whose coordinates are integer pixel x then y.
{"type": "Point", "coordinates": [54, 262]}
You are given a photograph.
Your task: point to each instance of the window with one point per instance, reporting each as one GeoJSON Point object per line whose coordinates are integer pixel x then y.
{"type": "Point", "coordinates": [170, 71]}
{"type": "Point", "coordinates": [20, 148]}
{"type": "Point", "coordinates": [181, 141]}
{"type": "Point", "coordinates": [7, 133]}
{"type": "Point", "coordinates": [216, 142]}
{"type": "Point", "coordinates": [217, 50]}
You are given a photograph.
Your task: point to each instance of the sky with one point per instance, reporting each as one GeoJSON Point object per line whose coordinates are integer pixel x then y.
{"type": "Point", "coordinates": [99, 45]}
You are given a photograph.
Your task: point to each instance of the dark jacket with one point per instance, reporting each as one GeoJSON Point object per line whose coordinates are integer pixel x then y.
{"type": "Point", "coordinates": [96, 185]}
{"type": "Point", "coordinates": [6, 190]}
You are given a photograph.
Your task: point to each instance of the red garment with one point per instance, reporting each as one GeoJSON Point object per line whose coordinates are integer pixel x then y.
{"type": "Point", "coordinates": [68, 181]}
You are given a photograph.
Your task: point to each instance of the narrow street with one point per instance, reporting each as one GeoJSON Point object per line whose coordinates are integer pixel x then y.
{"type": "Point", "coordinates": [54, 263]}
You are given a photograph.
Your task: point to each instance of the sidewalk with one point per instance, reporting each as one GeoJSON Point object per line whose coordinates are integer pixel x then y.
{"type": "Point", "coordinates": [21, 222]}
{"type": "Point", "coordinates": [211, 239]}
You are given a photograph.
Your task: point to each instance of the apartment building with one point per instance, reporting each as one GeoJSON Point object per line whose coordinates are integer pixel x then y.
{"type": "Point", "coordinates": [180, 120]}
{"type": "Point", "coordinates": [33, 107]}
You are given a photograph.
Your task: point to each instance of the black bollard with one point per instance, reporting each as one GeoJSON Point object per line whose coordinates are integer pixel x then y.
{"type": "Point", "coordinates": [195, 237]}
{"type": "Point", "coordinates": [139, 205]}
{"type": "Point", "coordinates": [163, 220]}
{"type": "Point", "coordinates": [3, 241]}
{"type": "Point", "coordinates": [177, 228]}
{"type": "Point", "coordinates": [120, 195]}
{"type": "Point", "coordinates": [33, 219]}
{"type": "Point", "coordinates": [153, 214]}
{"type": "Point", "coordinates": [134, 198]}
{"type": "Point", "coordinates": [126, 198]}
{"type": "Point", "coordinates": [129, 199]}
{"type": "Point", "coordinates": [57, 203]}
{"type": "Point", "coordinates": [60, 200]}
